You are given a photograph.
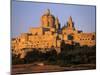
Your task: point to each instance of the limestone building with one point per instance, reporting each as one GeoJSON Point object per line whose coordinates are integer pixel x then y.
{"type": "Point", "coordinates": [49, 34]}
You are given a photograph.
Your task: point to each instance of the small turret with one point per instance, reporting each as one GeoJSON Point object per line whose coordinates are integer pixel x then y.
{"type": "Point", "coordinates": [57, 24]}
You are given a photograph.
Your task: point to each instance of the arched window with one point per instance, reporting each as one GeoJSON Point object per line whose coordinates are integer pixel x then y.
{"type": "Point", "coordinates": [70, 37]}
{"type": "Point", "coordinates": [93, 37]}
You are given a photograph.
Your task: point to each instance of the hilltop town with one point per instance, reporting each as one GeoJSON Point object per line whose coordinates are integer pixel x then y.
{"type": "Point", "coordinates": [51, 34]}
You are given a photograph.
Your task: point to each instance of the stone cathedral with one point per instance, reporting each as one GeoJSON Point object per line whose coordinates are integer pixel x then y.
{"type": "Point", "coordinates": [50, 33]}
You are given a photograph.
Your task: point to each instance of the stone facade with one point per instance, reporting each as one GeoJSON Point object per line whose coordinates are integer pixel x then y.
{"type": "Point", "coordinates": [50, 34]}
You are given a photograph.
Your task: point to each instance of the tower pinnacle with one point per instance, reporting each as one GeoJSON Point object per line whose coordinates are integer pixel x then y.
{"type": "Point", "coordinates": [57, 23]}
{"type": "Point", "coordinates": [70, 19]}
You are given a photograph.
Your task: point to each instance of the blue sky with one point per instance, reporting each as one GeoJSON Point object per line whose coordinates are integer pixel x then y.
{"type": "Point", "coordinates": [27, 14]}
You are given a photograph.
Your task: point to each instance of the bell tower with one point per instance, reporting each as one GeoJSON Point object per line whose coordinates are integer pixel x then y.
{"type": "Point", "coordinates": [70, 23]}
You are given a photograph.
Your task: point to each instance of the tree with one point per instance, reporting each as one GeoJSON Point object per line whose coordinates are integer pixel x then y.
{"type": "Point", "coordinates": [31, 56]}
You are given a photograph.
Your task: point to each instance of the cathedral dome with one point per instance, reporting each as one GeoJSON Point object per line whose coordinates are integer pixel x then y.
{"type": "Point", "coordinates": [47, 19]}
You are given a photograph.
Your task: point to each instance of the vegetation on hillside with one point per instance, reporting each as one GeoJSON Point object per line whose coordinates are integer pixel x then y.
{"type": "Point", "coordinates": [70, 54]}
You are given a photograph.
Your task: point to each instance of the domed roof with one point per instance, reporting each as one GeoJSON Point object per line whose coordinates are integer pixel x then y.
{"type": "Point", "coordinates": [47, 13]}
{"type": "Point", "coordinates": [47, 19]}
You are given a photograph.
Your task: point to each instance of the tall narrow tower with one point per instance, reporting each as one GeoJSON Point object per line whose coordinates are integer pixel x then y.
{"type": "Point", "coordinates": [57, 24]}
{"type": "Point", "coordinates": [70, 23]}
